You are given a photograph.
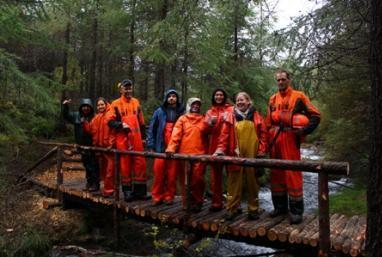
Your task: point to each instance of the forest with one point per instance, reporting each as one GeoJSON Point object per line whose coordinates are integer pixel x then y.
{"type": "Point", "coordinates": [54, 50]}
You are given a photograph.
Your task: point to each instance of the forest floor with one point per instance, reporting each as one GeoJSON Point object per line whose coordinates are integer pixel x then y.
{"type": "Point", "coordinates": [27, 229]}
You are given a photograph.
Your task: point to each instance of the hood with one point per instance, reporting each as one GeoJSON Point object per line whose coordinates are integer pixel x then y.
{"type": "Point", "coordinates": [190, 101]}
{"type": "Point", "coordinates": [171, 91]}
{"type": "Point", "coordinates": [86, 101]}
{"type": "Point", "coordinates": [224, 93]}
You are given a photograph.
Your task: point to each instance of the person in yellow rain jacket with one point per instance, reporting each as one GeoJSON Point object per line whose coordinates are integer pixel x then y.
{"type": "Point", "coordinates": [243, 135]}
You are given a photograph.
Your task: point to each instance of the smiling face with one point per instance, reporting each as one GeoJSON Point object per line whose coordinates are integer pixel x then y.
{"type": "Point", "coordinates": [126, 91]}
{"type": "Point", "coordinates": [86, 109]}
{"type": "Point", "coordinates": [195, 107]}
{"type": "Point", "coordinates": [282, 80]}
{"type": "Point", "coordinates": [242, 102]}
{"type": "Point", "coordinates": [101, 106]}
{"type": "Point", "coordinates": [219, 97]}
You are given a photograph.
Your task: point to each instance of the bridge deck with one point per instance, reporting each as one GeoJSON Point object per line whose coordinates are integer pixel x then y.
{"type": "Point", "coordinates": [347, 233]}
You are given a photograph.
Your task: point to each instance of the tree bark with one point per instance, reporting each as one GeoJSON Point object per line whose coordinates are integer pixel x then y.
{"type": "Point", "coordinates": [93, 62]}
{"type": "Point", "coordinates": [374, 192]}
{"type": "Point", "coordinates": [130, 66]}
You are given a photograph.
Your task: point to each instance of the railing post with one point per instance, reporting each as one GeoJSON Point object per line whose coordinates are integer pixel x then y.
{"type": "Point", "coordinates": [60, 175]}
{"type": "Point", "coordinates": [188, 168]}
{"type": "Point", "coordinates": [323, 216]}
{"type": "Point", "coordinates": [116, 199]}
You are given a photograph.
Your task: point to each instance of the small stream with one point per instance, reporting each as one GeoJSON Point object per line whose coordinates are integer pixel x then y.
{"type": "Point", "coordinates": [222, 247]}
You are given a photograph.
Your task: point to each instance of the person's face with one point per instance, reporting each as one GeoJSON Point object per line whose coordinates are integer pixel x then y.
{"type": "Point", "coordinates": [127, 91]}
{"type": "Point", "coordinates": [219, 97]}
{"type": "Point", "coordinates": [242, 103]}
{"type": "Point", "coordinates": [101, 106]}
{"type": "Point", "coordinates": [172, 99]}
{"type": "Point", "coordinates": [86, 109]}
{"type": "Point", "coordinates": [195, 107]}
{"type": "Point", "coordinates": [282, 80]}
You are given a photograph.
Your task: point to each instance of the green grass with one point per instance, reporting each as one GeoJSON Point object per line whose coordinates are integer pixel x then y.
{"type": "Point", "coordinates": [349, 201]}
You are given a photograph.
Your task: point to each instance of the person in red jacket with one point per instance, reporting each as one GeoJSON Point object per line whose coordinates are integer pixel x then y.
{"type": "Point", "coordinates": [189, 136]}
{"type": "Point", "coordinates": [102, 136]}
{"type": "Point", "coordinates": [216, 114]}
{"type": "Point", "coordinates": [126, 119]}
{"type": "Point", "coordinates": [243, 135]}
{"type": "Point", "coordinates": [285, 140]}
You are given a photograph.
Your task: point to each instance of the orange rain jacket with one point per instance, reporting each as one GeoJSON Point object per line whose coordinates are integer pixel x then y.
{"type": "Point", "coordinates": [128, 110]}
{"type": "Point", "coordinates": [282, 106]}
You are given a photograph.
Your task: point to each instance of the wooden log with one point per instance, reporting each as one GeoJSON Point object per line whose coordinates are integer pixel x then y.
{"type": "Point", "coordinates": [244, 229]}
{"type": "Point", "coordinates": [340, 168]}
{"type": "Point", "coordinates": [274, 233]}
{"type": "Point", "coordinates": [297, 238]}
{"type": "Point", "coordinates": [224, 227]}
{"type": "Point", "coordinates": [358, 238]}
{"type": "Point", "coordinates": [338, 226]}
{"type": "Point", "coordinates": [252, 231]}
{"type": "Point", "coordinates": [339, 240]}
{"type": "Point", "coordinates": [167, 216]}
{"type": "Point", "coordinates": [202, 222]}
{"type": "Point", "coordinates": [179, 217]}
{"type": "Point", "coordinates": [78, 167]}
{"type": "Point", "coordinates": [284, 232]}
{"type": "Point", "coordinates": [309, 234]}
{"type": "Point", "coordinates": [70, 160]}
{"type": "Point", "coordinates": [263, 228]}
{"type": "Point", "coordinates": [242, 218]}
{"type": "Point", "coordinates": [38, 162]}
{"type": "Point", "coordinates": [50, 203]}
{"type": "Point", "coordinates": [206, 224]}
{"type": "Point", "coordinates": [314, 239]}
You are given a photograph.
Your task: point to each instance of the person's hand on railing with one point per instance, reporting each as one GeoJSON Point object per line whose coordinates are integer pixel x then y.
{"type": "Point", "coordinates": [169, 154]}
{"type": "Point", "coordinates": [218, 152]}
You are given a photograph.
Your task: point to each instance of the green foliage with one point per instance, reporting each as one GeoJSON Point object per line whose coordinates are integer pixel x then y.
{"type": "Point", "coordinates": [350, 201]}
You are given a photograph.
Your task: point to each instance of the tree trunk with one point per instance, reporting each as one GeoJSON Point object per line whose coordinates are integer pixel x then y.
{"type": "Point", "coordinates": [185, 65]}
{"type": "Point", "coordinates": [160, 70]}
{"type": "Point", "coordinates": [145, 82]}
{"type": "Point", "coordinates": [64, 79]}
{"type": "Point", "coordinates": [374, 192]}
{"type": "Point", "coordinates": [93, 62]}
{"type": "Point", "coordinates": [130, 66]}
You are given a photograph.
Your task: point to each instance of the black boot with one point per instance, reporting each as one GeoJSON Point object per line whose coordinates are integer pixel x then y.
{"type": "Point", "coordinates": [280, 203]}
{"type": "Point", "coordinates": [140, 191]}
{"type": "Point", "coordinates": [128, 193]}
{"type": "Point", "coordinates": [296, 210]}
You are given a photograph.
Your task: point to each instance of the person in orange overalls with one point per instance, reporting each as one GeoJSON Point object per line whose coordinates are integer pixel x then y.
{"type": "Point", "coordinates": [216, 114]}
{"type": "Point", "coordinates": [285, 141]}
{"type": "Point", "coordinates": [126, 118]}
{"type": "Point", "coordinates": [158, 137]}
{"type": "Point", "coordinates": [243, 135]}
{"type": "Point", "coordinates": [189, 136]}
{"type": "Point", "coordinates": [103, 137]}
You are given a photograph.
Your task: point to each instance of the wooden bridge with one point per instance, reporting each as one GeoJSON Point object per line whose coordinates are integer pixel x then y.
{"type": "Point", "coordinates": [322, 233]}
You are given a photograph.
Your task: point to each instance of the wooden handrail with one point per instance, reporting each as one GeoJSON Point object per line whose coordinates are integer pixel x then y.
{"type": "Point", "coordinates": [335, 168]}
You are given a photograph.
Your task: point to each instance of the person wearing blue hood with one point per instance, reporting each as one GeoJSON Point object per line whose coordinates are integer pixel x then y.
{"type": "Point", "coordinates": [158, 137]}
{"type": "Point", "coordinates": [84, 113]}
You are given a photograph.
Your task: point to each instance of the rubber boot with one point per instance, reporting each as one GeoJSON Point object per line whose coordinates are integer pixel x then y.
{"type": "Point", "coordinates": [128, 193]}
{"type": "Point", "coordinates": [296, 211]}
{"type": "Point", "coordinates": [280, 204]}
{"type": "Point", "coordinates": [140, 191]}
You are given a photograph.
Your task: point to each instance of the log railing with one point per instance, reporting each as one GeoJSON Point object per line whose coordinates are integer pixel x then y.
{"type": "Point", "coordinates": [323, 168]}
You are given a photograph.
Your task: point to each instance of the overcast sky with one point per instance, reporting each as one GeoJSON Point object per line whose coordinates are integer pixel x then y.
{"type": "Point", "coordinates": [291, 8]}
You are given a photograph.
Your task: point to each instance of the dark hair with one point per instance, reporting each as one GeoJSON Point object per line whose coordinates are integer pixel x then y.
{"type": "Point", "coordinates": [101, 99]}
{"type": "Point", "coordinates": [217, 90]}
{"type": "Point", "coordinates": [288, 74]}
{"type": "Point", "coordinates": [126, 82]}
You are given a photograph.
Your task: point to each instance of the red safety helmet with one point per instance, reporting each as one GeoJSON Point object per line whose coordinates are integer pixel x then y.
{"type": "Point", "coordinates": [299, 121]}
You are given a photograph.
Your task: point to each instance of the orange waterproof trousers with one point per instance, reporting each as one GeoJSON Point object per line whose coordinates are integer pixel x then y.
{"type": "Point", "coordinates": [164, 185]}
{"type": "Point", "coordinates": [285, 182]}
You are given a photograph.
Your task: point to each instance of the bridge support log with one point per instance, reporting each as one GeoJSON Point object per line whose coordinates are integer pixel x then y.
{"type": "Point", "coordinates": [323, 219]}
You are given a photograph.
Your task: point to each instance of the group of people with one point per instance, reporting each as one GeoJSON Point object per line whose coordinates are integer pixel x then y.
{"type": "Point", "coordinates": [236, 130]}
